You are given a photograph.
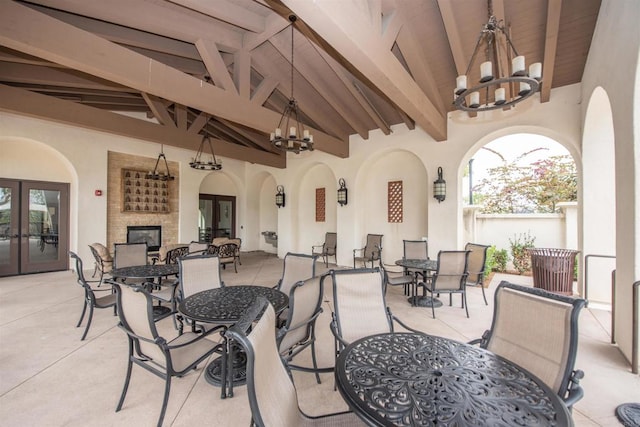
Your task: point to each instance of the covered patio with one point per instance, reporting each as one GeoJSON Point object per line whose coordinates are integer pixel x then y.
{"type": "Point", "coordinates": [51, 378]}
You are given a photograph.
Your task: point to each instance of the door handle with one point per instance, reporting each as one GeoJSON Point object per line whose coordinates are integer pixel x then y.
{"type": "Point", "coordinates": [14, 236]}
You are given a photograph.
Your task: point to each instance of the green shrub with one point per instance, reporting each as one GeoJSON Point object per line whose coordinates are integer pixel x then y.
{"type": "Point", "coordinates": [519, 252]}
{"type": "Point", "coordinates": [490, 262]}
{"type": "Point", "coordinates": [500, 259]}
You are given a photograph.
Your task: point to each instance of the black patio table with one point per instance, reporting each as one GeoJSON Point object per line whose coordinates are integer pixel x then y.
{"type": "Point", "coordinates": [225, 306]}
{"type": "Point", "coordinates": [402, 379]}
{"type": "Point", "coordinates": [426, 265]}
{"type": "Point", "coordinates": [148, 273]}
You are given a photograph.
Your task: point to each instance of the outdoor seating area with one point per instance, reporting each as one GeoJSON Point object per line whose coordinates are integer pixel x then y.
{"type": "Point", "coordinates": [29, 377]}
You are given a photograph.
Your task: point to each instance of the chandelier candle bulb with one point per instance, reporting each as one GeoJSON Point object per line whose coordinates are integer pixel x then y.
{"type": "Point", "coordinates": [535, 70]}
{"type": "Point", "coordinates": [525, 88]}
{"type": "Point", "coordinates": [292, 132]}
{"type": "Point", "coordinates": [278, 132]}
{"type": "Point", "coordinates": [517, 65]}
{"type": "Point", "coordinates": [475, 100]}
{"type": "Point", "coordinates": [486, 71]}
{"type": "Point", "coordinates": [305, 134]}
{"type": "Point", "coordinates": [500, 96]}
{"type": "Point", "coordinates": [461, 84]}
{"type": "Point", "coordinates": [290, 144]}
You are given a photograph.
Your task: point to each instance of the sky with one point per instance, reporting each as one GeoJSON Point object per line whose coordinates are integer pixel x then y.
{"type": "Point", "coordinates": [511, 146]}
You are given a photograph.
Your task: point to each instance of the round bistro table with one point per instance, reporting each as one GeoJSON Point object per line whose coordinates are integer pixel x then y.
{"type": "Point", "coordinates": [426, 265]}
{"type": "Point", "coordinates": [406, 379]}
{"type": "Point", "coordinates": [225, 306]}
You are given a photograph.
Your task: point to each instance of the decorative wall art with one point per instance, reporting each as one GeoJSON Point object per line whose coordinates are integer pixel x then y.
{"type": "Point", "coordinates": [142, 195]}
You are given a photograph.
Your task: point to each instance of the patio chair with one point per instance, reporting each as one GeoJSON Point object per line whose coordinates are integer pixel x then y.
{"type": "Point", "coordinates": [327, 249]}
{"type": "Point", "coordinates": [538, 330]}
{"type": "Point", "coordinates": [93, 297]}
{"type": "Point", "coordinates": [197, 248]}
{"type": "Point", "coordinates": [103, 260]}
{"type": "Point", "coordinates": [297, 267]}
{"type": "Point", "coordinates": [175, 253]}
{"type": "Point", "coordinates": [359, 306]}
{"type": "Point", "coordinates": [371, 251]}
{"type": "Point", "coordinates": [197, 273]}
{"type": "Point", "coordinates": [272, 394]}
{"type": "Point", "coordinates": [397, 276]}
{"type": "Point", "coordinates": [476, 267]}
{"type": "Point", "coordinates": [298, 332]}
{"type": "Point", "coordinates": [165, 358]}
{"type": "Point", "coordinates": [238, 242]}
{"type": "Point", "coordinates": [450, 277]}
{"type": "Point", "coordinates": [227, 252]}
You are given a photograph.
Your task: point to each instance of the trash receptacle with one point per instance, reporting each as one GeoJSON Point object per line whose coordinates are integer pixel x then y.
{"type": "Point", "coordinates": [553, 269]}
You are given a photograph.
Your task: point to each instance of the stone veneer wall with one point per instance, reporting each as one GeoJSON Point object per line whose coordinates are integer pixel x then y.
{"type": "Point", "coordinates": [118, 220]}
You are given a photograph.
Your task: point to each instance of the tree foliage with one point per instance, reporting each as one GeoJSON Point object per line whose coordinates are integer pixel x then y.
{"type": "Point", "coordinates": [537, 187]}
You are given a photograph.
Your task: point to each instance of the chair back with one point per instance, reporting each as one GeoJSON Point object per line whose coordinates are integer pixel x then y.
{"type": "Point", "coordinates": [102, 257]}
{"type": "Point", "coordinates": [330, 243]}
{"type": "Point", "coordinates": [238, 242]}
{"type": "Point", "coordinates": [129, 254]}
{"type": "Point", "coordinates": [538, 330]}
{"type": "Point", "coordinates": [477, 259]}
{"type": "Point", "coordinates": [297, 267]}
{"type": "Point", "coordinates": [359, 304]}
{"type": "Point", "coordinates": [227, 252]}
{"type": "Point", "coordinates": [373, 247]}
{"type": "Point", "coordinates": [197, 248]}
{"type": "Point", "coordinates": [175, 253]}
{"type": "Point", "coordinates": [452, 270]}
{"type": "Point", "coordinates": [80, 274]}
{"type": "Point", "coordinates": [305, 300]}
{"type": "Point", "coordinates": [272, 395]}
{"type": "Point", "coordinates": [135, 311]}
{"type": "Point", "coordinates": [199, 273]}
{"type": "Point", "coordinates": [415, 249]}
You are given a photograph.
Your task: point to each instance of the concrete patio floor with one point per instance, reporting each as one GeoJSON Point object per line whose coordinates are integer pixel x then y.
{"type": "Point", "coordinates": [48, 377]}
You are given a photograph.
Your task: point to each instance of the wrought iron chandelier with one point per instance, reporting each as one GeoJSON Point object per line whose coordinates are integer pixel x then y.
{"type": "Point", "coordinates": [504, 80]}
{"type": "Point", "coordinates": [157, 175]}
{"type": "Point", "coordinates": [198, 162]}
{"type": "Point", "coordinates": [290, 134]}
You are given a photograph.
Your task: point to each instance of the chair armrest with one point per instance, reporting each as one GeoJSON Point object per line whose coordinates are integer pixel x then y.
{"type": "Point", "coordinates": [481, 341]}
{"type": "Point", "coordinates": [317, 246]}
{"type": "Point", "coordinates": [334, 330]}
{"type": "Point", "coordinates": [575, 389]}
{"type": "Point", "coordinates": [277, 285]}
{"type": "Point", "coordinates": [401, 323]}
{"type": "Point", "coordinates": [358, 250]}
{"type": "Point", "coordinates": [475, 341]}
{"type": "Point", "coordinates": [198, 338]}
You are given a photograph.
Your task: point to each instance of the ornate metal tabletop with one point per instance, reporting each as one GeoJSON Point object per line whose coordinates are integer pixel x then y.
{"type": "Point", "coordinates": [403, 379]}
{"type": "Point", "coordinates": [419, 264]}
{"type": "Point", "coordinates": [144, 271]}
{"type": "Point", "coordinates": [226, 305]}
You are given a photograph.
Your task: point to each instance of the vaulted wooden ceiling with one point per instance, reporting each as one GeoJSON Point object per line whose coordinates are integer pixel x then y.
{"type": "Point", "coordinates": [223, 66]}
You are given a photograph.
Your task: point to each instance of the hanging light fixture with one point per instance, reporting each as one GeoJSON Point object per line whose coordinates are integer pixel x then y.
{"type": "Point", "coordinates": [290, 134]}
{"type": "Point", "coordinates": [198, 163]}
{"type": "Point", "coordinates": [157, 175]}
{"type": "Point", "coordinates": [504, 80]}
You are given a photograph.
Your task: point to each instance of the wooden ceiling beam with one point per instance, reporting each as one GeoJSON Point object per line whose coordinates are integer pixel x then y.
{"type": "Point", "coordinates": [28, 31]}
{"type": "Point", "coordinates": [554, 7]}
{"type": "Point", "coordinates": [26, 103]}
{"type": "Point", "coordinates": [348, 35]}
{"type": "Point", "coordinates": [33, 74]}
{"type": "Point", "coordinates": [226, 11]}
{"type": "Point", "coordinates": [215, 65]}
{"type": "Point", "coordinates": [159, 110]}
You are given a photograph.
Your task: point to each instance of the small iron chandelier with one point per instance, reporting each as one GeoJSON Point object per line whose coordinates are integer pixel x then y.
{"type": "Point", "coordinates": [295, 138]}
{"type": "Point", "coordinates": [439, 187]}
{"type": "Point", "coordinates": [342, 192]}
{"type": "Point", "coordinates": [280, 196]}
{"type": "Point", "coordinates": [198, 163]}
{"type": "Point", "coordinates": [156, 175]}
{"type": "Point", "coordinates": [500, 85]}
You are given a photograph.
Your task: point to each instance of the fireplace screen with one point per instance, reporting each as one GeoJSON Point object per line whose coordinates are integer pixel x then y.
{"type": "Point", "coordinates": [149, 234]}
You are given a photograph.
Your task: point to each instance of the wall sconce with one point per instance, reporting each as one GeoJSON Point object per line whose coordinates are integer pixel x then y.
{"type": "Point", "coordinates": [439, 187]}
{"type": "Point", "coordinates": [342, 192]}
{"type": "Point", "coordinates": [280, 196]}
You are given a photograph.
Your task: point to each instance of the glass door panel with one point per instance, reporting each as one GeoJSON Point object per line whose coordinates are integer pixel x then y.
{"type": "Point", "coordinates": [9, 227]}
{"type": "Point", "coordinates": [217, 217]}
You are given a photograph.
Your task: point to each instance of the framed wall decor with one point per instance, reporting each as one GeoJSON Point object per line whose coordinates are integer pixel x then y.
{"type": "Point", "coordinates": [143, 195]}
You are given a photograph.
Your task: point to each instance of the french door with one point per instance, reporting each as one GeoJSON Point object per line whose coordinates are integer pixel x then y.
{"type": "Point", "coordinates": [217, 217]}
{"type": "Point", "coordinates": [34, 226]}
